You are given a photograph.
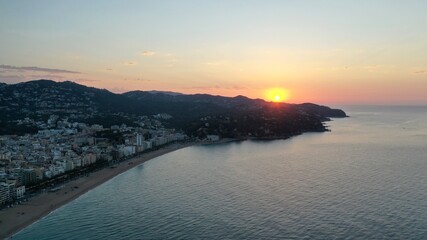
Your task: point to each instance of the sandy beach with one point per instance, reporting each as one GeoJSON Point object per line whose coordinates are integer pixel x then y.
{"type": "Point", "coordinates": [18, 217]}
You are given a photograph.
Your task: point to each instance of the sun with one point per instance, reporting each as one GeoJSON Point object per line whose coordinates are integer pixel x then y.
{"type": "Point", "coordinates": [277, 94]}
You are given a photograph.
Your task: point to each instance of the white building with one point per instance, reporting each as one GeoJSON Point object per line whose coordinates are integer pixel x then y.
{"type": "Point", "coordinates": [7, 192]}
{"type": "Point", "coordinates": [69, 165]}
{"type": "Point", "coordinates": [77, 161]}
{"type": "Point", "coordinates": [127, 150]}
{"type": "Point", "coordinates": [20, 192]}
{"type": "Point", "coordinates": [212, 138]}
{"type": "Point", "coordinates": [48, 174]}
{"type": "Point", "coordinates": [97, 127]}
{"type": "Point", "coordinates": [158, 141]}
{"type": "Point", "coordinates": [54, 170]}
{"type": "Point", "coordinates": [56, 154]}
{"type": "Point", "coordinates": [139, 139]}
{"type": "Point", "coordinates": [4, 193]}
{"type": "Point", "coordinates": [147, 145]}
{"type": "Point", "coordinates": [4, 156]}
{"type": "Point", "coordinates": [88, 159]}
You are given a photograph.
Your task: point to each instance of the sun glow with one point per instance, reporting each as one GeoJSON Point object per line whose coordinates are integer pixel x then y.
{"type": "Point", "coordinates": [277, 94]}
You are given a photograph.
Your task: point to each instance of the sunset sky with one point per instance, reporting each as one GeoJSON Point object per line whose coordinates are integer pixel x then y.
{"type": "Point", "coordinates": [330, 52]}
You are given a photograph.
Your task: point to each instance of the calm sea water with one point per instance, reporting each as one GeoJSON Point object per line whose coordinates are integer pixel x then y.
{"type": "Point", "coordinates": [367, 179]}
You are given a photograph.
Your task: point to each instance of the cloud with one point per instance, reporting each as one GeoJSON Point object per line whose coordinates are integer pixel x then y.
{"type": "Point", "coordinates": [130, 63]}
{"type": "Point", "coordinates": [143, 80]}
{"type": "Point", "coordinates": [15, 78]}
{"type": "Point", "coordinates": [109, 69]}
{"type": "Point", "coordinates": [15, 74]}
{"type": "Point", "coordinates": [46, 76]}
{"type": "Point", "coordinates": [420, 72]}
{"type": "Point", "coordinates": [204, 87]}
{"type": "Point", "coordinates": [136, 79]}
{"type": "Point", "coordinates": [36, 69]}
{"type": "Point", "coordinates": [216, 87]}
{"type": "Point", "coordinates": [148, 53]}
{"type": "Point", "coordinates": [12, 78]}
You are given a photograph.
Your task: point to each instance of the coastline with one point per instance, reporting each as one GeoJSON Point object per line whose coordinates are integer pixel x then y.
{"type": "Point", "coordinates": [13, 220]}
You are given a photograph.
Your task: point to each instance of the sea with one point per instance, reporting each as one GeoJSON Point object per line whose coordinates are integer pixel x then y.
{"type": "Point", "coordinates": [365, 179]}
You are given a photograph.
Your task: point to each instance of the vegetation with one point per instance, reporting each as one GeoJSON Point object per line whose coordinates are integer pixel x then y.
{"type": "Point", "coordinates": [197, 115]}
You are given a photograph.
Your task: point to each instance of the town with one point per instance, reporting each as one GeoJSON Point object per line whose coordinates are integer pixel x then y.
{"type": "Point", "coordinates": [31, 161]}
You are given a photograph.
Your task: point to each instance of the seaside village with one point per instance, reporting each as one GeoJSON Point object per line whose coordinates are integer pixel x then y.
{"type": "Point", "coordinates": [62, 146]}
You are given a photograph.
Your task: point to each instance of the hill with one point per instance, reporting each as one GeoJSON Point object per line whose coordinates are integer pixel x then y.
{"type": "Point", "coordinates": [24, 104]}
